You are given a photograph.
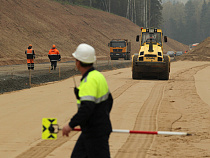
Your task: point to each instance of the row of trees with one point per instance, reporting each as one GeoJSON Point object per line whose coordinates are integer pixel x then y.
{"type": "Point", "coordinates": [187, 23]}
{"type": "Point", "coordinates": [144, 13]}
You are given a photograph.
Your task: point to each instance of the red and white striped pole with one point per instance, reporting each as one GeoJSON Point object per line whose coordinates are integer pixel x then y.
{"type": "Point", "coordinates": [150, 132]}
{"type": "Point", "coordinates": [146, 132]}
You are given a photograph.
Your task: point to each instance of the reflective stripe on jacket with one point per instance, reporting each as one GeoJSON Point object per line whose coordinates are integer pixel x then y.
{"type": "Point", "coordinates": [94, 105]}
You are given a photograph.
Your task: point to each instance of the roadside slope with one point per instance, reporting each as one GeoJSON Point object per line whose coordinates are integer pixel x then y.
{"type": "Point", "coordinates": [46, 22]}
{"type": "Point", "coordinates": [173, 45]}
{"type": "Point", "coordinates": [199, 53]}
{"type": "Point", "coordinates": [43, 23]}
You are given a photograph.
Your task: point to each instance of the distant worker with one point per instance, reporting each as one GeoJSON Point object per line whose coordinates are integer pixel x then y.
{"type": "Point", "coordinates": [54, 56]}
{"type": "Point", "coordinates": [94, 102]}
{"type": "Point", "coordinates": [30, 54]}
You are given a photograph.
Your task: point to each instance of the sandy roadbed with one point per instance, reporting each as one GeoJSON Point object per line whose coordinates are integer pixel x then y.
{"type": "Point", "coordinates": [179, 104]}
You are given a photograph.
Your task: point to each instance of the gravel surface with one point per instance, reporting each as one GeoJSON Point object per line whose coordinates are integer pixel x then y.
{"type": "Point", "coordinates": [16, 77]}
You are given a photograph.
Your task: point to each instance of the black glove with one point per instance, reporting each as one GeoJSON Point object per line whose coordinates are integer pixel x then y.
{"type": "Point", "coordinates": [76, 92]}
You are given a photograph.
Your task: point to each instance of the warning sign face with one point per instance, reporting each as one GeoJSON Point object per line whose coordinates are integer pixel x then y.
{"type": "Point", "coordinates": [46, 126]}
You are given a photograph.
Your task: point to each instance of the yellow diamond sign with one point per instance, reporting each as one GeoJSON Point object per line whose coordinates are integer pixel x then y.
{"type": "Point", "coordinates": [47, 124]}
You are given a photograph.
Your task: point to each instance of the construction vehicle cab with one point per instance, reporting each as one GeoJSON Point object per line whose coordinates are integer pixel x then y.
{"type": "Point", "coordinates": [120, 48]}
{"type": "Point", "coordinates": [150, 60]}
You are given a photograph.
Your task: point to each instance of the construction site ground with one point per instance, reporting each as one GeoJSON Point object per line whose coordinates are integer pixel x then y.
{"type": "Point", "coordinates": [180, 104]}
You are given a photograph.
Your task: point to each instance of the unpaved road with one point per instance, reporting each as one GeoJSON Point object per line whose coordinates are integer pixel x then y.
{"type": "Point", "coordinates": [180, 104]}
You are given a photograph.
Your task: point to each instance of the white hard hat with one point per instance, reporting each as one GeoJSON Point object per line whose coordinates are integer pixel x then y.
{"type": "Point", "coordinates": [85, 53]}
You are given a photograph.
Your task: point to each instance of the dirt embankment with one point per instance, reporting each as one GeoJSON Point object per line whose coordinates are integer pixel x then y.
{"type": "Point", "coordinates": [173, 45]}
{"type": "Point", "coordinates": [43, 23]}
{"type": "Point", "coordinates": [46, 22]}
{"type": "Point", "coordinates": [199, 53]}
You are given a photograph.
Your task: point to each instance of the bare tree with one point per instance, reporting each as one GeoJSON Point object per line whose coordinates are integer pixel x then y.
{"type": "Point", "coordinates": [131, 10]}
{"type": "Point", "coordinates": [90, 3]}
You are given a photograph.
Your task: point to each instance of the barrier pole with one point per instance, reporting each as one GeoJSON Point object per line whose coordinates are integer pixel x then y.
{"type": "Point", "coordinates": [30, 77]}
{"type": "Point", "coordinates": [146, 132]}
{"type": "Point", "coordinates": [59, 72]}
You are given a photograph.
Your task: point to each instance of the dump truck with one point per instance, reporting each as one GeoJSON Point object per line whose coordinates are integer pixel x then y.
{"type": "Point", "coordinates": [150, 60]}
{"type": "Point", "coordinates": [120, 48]}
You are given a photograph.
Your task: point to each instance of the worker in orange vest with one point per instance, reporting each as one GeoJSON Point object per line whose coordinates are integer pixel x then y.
{"type": "Point", "coordinates": [54, 56]}
{"type": "Point", "coordinates": [30, 54]}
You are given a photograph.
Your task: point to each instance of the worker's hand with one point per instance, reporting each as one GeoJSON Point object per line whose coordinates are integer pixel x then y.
{"type": "Point", "coordinates": [66, 130]}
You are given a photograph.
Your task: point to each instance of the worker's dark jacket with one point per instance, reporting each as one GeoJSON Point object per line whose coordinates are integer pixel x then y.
{"type": "Point", "coordinates": [94, 105]}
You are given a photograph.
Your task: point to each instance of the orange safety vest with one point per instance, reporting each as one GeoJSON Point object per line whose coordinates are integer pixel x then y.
{"type": "Point", "coordinates": [54, 55]}
{"type": "Point", "coordinates": [30, 53]}
{"type": "Point", "coordinates": [53, 52]}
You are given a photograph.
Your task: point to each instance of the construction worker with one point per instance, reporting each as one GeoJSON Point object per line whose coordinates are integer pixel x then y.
{"type": "Point", "coordinates": [54, 56]}
{"type": "Point", "coordinates": [30, 54]}
{"type": "Point", "coordinates": [94, 102]}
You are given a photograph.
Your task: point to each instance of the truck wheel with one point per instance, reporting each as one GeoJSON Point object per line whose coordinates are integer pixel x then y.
{"type": "Point", "coordinates": [125, 58]}
{"type": "Point", "coordinates": [165, 74]}
{"type": "Point", "coordinates": [129, 57]}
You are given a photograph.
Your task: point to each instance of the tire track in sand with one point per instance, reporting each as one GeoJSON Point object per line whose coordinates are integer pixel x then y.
{"type": "Point", "coordinates": [183, 110]}
{"type": "Point", "coordinates": [122, 89]}
{"type": "Point", "coordinates": [45, 147]}
{"type": "Point", "coordinates": [137, 145]}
